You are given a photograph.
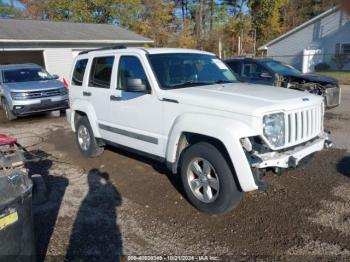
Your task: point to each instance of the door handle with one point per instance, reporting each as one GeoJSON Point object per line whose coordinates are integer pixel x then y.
{"type": "Point", "coordinates": [86, 93]}
{"type": "Point", "coordinates": [115, 98]}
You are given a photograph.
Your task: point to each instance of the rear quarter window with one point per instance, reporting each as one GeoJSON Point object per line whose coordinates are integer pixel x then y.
{"type": "Point", "coordinates": [79, 71]}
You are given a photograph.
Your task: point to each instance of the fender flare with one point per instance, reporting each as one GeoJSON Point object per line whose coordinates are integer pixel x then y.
{"type": "Point", "coordinates": [228, 131]}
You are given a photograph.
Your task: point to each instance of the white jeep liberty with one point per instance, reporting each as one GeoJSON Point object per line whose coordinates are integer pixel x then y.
{"type": "Point", "coordinates": [186, 108]}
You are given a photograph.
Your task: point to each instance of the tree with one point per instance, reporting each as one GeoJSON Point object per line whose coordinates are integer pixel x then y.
{"type": "Point", "coordinates": [36, 9]}
{"type": "Point", "coordinates": [266, 17]}
{"type": "Point", "coordinates": [346, 5]}
{"type": "Point", "coordinates": [296, 12]}
{"type": "Point", "coordinates": [157, 21]}
{"type": "Point", "coordinates": [8, 10]}
{"type": "Point", "coordinates": [123, 12]}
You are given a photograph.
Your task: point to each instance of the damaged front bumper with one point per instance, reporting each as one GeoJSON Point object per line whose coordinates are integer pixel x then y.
{"type": "Point", "coordinates": [332, 97]}
{"type": "Point", "coordinates": [290, 158]}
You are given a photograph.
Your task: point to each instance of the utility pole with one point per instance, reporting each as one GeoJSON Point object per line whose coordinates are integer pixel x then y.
{"type": "Point", "coordinates": [254, 32]}
{"type": "Point", "coordinates": [199, 21]}
{"type": "Point", "coordinates": [239, 46]}
{"type": "Point", "coordinates": [242, 41]}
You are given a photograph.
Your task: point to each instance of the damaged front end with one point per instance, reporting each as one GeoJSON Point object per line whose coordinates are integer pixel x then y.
{"type": "Point", "coordinates": [330, 91]}
{"type": "Point", "coordinates": [263, 159]}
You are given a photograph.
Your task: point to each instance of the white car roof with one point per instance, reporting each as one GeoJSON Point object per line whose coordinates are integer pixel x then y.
{"type": "Point", "coordinates": [147, 50]}
{"type": "Point", "coordinates": [174, 51]}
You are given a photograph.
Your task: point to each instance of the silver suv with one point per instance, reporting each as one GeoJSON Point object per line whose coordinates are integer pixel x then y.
{"type": "Point", "coordinates": [28, 89]}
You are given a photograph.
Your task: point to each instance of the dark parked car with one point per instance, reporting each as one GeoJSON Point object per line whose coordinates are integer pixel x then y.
{"type": "Point", "coordinates": [272, 72]}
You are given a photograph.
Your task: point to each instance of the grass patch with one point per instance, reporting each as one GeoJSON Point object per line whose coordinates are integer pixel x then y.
{"type": "Point", "coordinates": [342, 76]}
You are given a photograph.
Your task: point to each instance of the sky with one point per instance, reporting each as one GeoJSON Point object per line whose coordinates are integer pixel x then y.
{"type": "Point", "coordinates": [17, 4]}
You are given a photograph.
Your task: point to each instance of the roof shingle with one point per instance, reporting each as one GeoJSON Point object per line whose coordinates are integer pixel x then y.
{"type": "Point", "coordinates": [32, 30]}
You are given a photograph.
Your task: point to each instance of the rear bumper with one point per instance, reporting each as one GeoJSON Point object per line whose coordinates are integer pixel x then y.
{"type": "Point", "coordinates": [293, 157]}
{"type": "Point", "coordinates": [68, 115]}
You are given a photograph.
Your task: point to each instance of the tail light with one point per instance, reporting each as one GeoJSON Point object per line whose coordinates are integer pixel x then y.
{"type": "Point", "coordinates": [65, 83]}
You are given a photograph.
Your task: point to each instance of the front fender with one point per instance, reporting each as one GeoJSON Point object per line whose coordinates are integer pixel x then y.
{"type": "Point", "coordinates": [87, 108]}
{"type": "Point", "coordinates": [228, 131]}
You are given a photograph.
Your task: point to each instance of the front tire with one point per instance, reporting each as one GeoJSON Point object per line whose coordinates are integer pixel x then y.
{"type": "Point", "coordinates": [208, 180]}
{"type": "Point", "coordinates": [86, 140]}
{"type": "Point", "coordinates": [9, 115]}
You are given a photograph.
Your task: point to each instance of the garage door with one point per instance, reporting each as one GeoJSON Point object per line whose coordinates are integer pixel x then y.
{"type": "Point", "coordinates": [21, 57]}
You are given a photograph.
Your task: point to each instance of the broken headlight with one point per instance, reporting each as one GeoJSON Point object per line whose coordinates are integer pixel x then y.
{"type": "Point", "coordinates": [274, 129]}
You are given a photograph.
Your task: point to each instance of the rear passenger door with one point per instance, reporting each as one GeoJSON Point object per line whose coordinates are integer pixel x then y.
{"type": "Point", "coordinates": [99, 86]}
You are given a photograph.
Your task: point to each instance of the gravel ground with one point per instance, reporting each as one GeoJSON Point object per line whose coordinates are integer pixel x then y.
{"type": "Point", "coordinates": [121, 203]}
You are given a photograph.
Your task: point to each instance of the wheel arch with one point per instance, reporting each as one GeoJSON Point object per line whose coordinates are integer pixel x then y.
{"type": "Point", "coordinates": [223, 133]}
{"type": "Point", "coordinates": [87, 110]}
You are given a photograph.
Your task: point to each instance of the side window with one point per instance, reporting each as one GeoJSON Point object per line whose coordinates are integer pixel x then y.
{"type": "Point", "coordinates": [253, 70]}
{"type": "Point", "coordinates": [234, 66]}
{"type": "Point", "coordinates": [130, 67]}
{"type": "Point", "coordinates": [79, 71]}
{"type": "Point", "coordinates": [101, 72]}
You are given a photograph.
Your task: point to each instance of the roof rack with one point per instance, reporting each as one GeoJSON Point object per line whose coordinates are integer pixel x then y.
{"type": "Point", "coordinates": [104, 48]}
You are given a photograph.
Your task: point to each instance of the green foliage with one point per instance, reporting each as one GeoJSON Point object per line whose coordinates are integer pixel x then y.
{"type": "Point", "coordinates": [237, 24]}
{"type": "Point", "coordinates": [266, 17]}
{"type": "Point", "coordinates": [6, 10]}
{"type": "Point", "coordinates": [124, 12]}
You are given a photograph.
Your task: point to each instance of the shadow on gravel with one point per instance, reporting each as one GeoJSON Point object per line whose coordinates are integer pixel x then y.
{"type": "Point", "coordinates": [95, 234]}
{"type": "Point", "coordinates": [158, 166]}
{"type": "Point", "coordinates": [343, 166]}
{"type": "Point", "coordinates": [48, 193]}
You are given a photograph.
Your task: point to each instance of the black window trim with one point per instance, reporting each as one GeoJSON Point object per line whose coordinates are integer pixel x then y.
{"type": "Point", "coordinates": [259, 64]}
{"type": "Point", "coordinates": [90, 68]}
{"type": "Point", "coordinates": [147, 78]}
{"type": "Point", "coordinates": [343, 49]}
{"type": "Point", "coordinates": [86, 67]}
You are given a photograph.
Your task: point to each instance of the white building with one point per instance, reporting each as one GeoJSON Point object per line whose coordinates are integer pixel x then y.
{"type": "Point", "coordinates": [55, 44]}
{"type": "Point", "coordinates": [314, 42]}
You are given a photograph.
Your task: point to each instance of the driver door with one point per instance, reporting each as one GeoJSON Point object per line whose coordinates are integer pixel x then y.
{"type": "Point", "coordinates": [135, 117]}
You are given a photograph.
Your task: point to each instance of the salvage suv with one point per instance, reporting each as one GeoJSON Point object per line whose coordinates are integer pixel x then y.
{"type": "Point", "coordinates": [187, 109]}
{"type": "Point", "coordinates": [27, 89]}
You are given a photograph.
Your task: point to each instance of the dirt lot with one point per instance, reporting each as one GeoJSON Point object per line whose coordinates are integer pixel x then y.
{"type": "Point", "coordinates": [121, 203]}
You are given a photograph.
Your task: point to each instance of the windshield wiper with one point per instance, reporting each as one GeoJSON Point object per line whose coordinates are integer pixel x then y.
{"type": "Point", "coordinates": [190, 83]}
{"type": "Point", "coordinates": [199, 83]}
{"type": "Point", "coordinates": [223, 82]}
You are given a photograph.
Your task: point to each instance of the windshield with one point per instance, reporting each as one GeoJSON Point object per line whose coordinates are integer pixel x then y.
{"type": "Point", "coordinates": [187, 70]}
{"type": "Point", "coordinates": [281, 68]}
{"type": "Point", "coordinates": [25, 75]}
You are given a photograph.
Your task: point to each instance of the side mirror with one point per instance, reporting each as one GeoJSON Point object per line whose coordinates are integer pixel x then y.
{"type": "Point", "coordinates": [135, 85]}
{"type": "Point", "coordinates": [266, 75]}
{"type": "Point", "coordinates": [55, 77]}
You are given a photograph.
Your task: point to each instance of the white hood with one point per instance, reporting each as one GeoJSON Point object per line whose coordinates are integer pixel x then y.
{"type": "Point", "coordinates": [243, 98]}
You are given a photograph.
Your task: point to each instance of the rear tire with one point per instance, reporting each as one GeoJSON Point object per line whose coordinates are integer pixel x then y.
{"type": "Point", "coordinates": [86, 140]}
{"type": "Point", "coordinates": [8, 113]}
{"type": "Point", "coordinates": [210, 170]}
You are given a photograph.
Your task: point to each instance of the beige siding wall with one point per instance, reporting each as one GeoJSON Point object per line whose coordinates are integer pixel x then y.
{"type": "Point", "coordinates": [58, 61]}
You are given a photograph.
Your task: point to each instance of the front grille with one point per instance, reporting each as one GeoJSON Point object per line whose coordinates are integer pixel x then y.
{"type": "Point", "coordinates": [44, 93]}
{"type": "Point", "coordinates": [303, 125]}
{"type": "Point", "coordinates": [333, 97]}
